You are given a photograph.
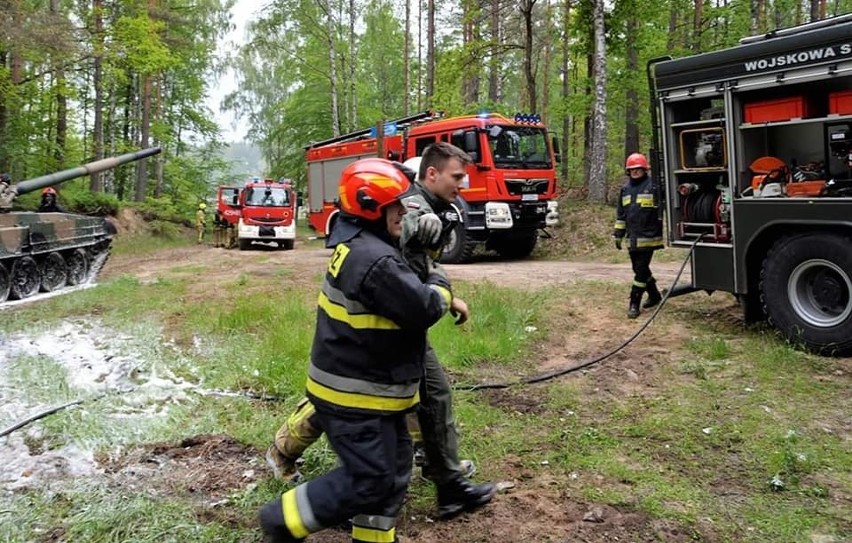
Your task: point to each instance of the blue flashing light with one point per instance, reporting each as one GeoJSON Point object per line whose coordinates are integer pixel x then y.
{"type": "Point", "coordinates": [483, 114]}
{"type": "Point", "coordinates": [527, 118]}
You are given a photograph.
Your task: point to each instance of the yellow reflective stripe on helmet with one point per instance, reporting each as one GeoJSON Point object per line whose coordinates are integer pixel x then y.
{"type": "Point", "coordinates": [292, 518]}
{"type": "Point", "coordinates": [372, 535]}
{"type": "Point", "coordinates": [361, 401]}
{"type": "Point", "coordinates": [339, 313]}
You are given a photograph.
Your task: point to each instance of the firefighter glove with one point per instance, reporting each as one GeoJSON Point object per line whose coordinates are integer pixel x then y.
{"type": "Point", "coordinates": [617, 243]}
{"type": "Point", "coordinates": [429, 229]}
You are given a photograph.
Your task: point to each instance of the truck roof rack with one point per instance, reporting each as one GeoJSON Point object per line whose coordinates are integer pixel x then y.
{"type": "Point", "coordinates": [402, 122]}
{"type": "Point", "coordinates": [813, 25]}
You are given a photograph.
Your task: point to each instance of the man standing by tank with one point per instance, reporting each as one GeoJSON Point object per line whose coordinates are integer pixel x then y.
{"type": "Point", "coordinates": [430, 217]}
{"type": "Point", "coordinates": [366, 365]}
{"type": "Point", "coordinates": [201, 221]}
{"type": "Point", "coordinates": [637, 218]}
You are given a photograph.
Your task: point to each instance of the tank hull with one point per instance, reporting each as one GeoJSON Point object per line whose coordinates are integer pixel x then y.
{"type": "Point", "coordinates": [49, 252]}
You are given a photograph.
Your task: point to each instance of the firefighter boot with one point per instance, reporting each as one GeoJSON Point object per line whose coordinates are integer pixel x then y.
{"type": "Point", "coordinates": [635, 300]}
{"type": "Point", "coordinates": [654, 296]}
{"type": "Point", "coordinates": [273, 524]}
{"type": "Point", "coordinates": [459, 495]}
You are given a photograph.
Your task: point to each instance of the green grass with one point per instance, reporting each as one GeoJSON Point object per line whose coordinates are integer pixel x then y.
{"type": "Point", "coordinates": [741, 437]}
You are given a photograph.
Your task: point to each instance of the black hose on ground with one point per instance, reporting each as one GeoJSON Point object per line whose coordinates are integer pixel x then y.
{"type": "Point", "coordinates": [570, 369]}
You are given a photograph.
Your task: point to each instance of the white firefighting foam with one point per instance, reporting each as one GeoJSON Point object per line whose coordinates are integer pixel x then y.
{"type": "Point", "coordinates": [123, 386]}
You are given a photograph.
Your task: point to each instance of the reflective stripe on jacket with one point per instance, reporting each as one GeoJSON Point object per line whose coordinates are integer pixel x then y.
{"type": "Point", "coordinates": [637, 215]}
{"type": "Point", "coordinates": [372, 319]}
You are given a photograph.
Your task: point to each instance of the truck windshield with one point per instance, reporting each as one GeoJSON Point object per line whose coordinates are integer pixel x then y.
{"type": "Point", "coordinates": [270, 197]}
{"type": "Point", "coordinates": [519, 147]}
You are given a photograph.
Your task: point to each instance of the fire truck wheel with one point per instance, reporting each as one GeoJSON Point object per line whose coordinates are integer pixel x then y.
{"type": "Point", "coordinates": [458, 248]}
{"type": "Point", "coordinates": [806, 289]}
{"type": "Point", "coordinates": [245, 244]}
{"type": "Point", "coordinates": [516, 247]}
{"type": "Point", "coordinates": [287, 244]}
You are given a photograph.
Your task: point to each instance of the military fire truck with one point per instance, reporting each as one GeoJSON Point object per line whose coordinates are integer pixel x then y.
{"type": "Point", "coordinates": [262, 210]}
{"type": "Point", "coordinates": [509, 194]}
{"type": "Point", "coordinates": [755, 160]}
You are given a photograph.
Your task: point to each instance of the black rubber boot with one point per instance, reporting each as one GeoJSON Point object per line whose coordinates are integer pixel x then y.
{"type": "Point", "coordinates": [635, 300]}
{"type": "Point", "coordinates": [274, 527]}
{"type": "Point", "coordinates": [654, 296]}
{"type": "Point", "coordinates": [459, 495]}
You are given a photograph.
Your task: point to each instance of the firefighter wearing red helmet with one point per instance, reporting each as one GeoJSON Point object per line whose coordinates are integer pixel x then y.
{"type": "Point", "coordinates": [637, 219]}
{"type": "Point", "coordinates": [48, 202]}
{"type": "Point", "coordinates": [366, 364]}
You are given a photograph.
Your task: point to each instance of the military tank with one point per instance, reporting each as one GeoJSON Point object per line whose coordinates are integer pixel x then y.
{"type": "Point", "coordinates": [49, 252]}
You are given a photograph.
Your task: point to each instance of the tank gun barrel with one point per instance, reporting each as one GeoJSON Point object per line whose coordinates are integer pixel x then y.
{"type": "Point", "coordinates": [43, 181]}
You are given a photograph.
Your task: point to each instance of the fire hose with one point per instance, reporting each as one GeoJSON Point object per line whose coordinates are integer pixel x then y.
{"type": "Point", "coordinates": [559, 372]}
{"type": "Point", "coordinates": [534, 379]}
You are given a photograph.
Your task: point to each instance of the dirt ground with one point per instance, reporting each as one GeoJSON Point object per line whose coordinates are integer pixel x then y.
{"type": "Point", "coordinates": [208, 469]}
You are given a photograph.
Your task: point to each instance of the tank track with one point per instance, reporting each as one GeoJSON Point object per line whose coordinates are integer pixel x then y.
{"type": "Point", "coordinates": [96, 256]}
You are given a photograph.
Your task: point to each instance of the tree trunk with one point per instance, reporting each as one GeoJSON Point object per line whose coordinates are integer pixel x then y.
{"type": "Point", "coordinates": [470, 38]}
{"type": "Point", "coordinates": [353, 63]}
{"type": "Point", "coordinates": [698, 16]}
{"type": "Point", "coordinates": [631, 119]}
{"type": "Point", "coordinates": [545, 83]}
{"type": "Point", "coordinates": [597, 172]}
{"type": "Point", "coordinates": [96, 179]}
{"type": "Point", "coordinates": [566, 88]}
{"type": "Point", "coordinates": [526, 9]}
{"type": "Point", "coordinates": [430, 51]}
{"type": "Point", "coordinates": [494, 61]}
{"type": "Point", "coordinates": [332, 64]}
{"type": "Point", "coordinates": [61, 104]}
{"type": "Point", "coordinates": [406, 67]}
{"type": "Point", "coordinates": [144, 134]}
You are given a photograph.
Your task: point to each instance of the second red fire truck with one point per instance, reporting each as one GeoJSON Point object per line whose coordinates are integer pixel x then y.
{"type": "Point", "coordinates": [510, 193]}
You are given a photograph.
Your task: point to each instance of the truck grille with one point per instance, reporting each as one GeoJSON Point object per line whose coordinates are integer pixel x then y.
{"type": "Point", "coordinates": [526, 186]}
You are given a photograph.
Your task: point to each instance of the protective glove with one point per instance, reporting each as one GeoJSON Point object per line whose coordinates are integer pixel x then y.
{"type": "Point", "coordinates": [429, 229]}
{"type": "Point", "coordinates": [617, 243]}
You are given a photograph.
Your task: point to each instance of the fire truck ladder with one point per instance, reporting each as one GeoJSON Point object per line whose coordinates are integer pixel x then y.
{"type": "Point", "coordinates": [401, 123]}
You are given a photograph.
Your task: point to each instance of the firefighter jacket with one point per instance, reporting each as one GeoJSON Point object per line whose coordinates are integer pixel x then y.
{"type": "Point", "coordinates": [637, 215]}
{"type": "Point", "coordinates": [373, 314]}
{"type": "Point", "coordinates": [424, 260]}
{"type": "Point", "coordinates": [200, 219]}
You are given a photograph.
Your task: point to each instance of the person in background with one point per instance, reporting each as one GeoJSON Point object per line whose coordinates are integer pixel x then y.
{"type": "Point", "coordinates": [201, 221]}
{"type": "Point", "coordinates": [48, 202]}
{"type": "Point", "coordinates": [366, 365]}
{"type": "Point", "coordinates": [637, 220]}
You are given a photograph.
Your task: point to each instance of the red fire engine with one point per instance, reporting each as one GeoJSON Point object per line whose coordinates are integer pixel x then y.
{"type": "Point", "coordinates": [261, 210]}
{"type": "Point", "coordinates": [511, 189]}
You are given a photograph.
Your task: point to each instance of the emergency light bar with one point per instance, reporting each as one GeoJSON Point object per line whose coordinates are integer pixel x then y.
{"type": "Point", "coordinates": [528, 118]}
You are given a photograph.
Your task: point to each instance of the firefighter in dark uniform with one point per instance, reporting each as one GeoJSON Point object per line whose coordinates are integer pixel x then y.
{"type": "Point", "coordinates": [48, 202]}
{"type": "Point", "coordinates": [637, 218]}
{"type": "Point", "coordinates": [366, 365]}
{"type": "Point", "coordinates": [429, 219]}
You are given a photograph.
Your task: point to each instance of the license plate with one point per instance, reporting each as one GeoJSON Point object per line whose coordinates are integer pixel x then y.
{"type": "Point", "coordinates": [529, 197]}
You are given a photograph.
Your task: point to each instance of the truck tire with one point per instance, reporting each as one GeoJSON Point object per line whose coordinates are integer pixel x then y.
{"type": "Point", "coordinates": [459, 247]}
{"type": "Point", "coordinates": [806, 290]}
{"type": "Point", "coordinates": [245, 244]}
{"type": "Point", "coordinates": [515, 247]}
{"type": "Point", "coordinates": [287, 244]}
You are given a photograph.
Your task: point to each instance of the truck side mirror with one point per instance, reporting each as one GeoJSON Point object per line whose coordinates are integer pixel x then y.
{"type": "Point", "coordinates": [299, 199]}
{"type": "Point", "coordinates": [471, 145]}
{"type": "Point", "coordinates": [557, 154]}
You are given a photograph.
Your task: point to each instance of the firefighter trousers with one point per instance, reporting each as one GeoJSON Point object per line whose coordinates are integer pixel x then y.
{"type": "Point", "coordinates": [434, 425]}
{"type": "Point", "coordinates": [369, 488]}
{"type": "Point", "coordinates": [640, 259]}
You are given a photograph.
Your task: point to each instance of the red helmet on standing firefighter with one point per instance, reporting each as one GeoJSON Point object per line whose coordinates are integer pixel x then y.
{"type": "Point", "coordinates": [367, 186]}
{"type": "Point", "coordinates": [637, 160]}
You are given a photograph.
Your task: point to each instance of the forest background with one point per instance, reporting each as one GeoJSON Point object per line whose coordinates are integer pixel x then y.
{"type": "Point", "coordinates": [84, 79]}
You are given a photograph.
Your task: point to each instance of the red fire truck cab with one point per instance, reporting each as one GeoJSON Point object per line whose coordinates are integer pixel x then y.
{"type": "Point", "coordinates": [509, 195]}
{"type": "Point", "coordinates": [267, 213]}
